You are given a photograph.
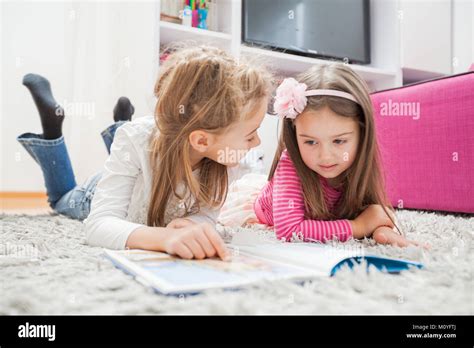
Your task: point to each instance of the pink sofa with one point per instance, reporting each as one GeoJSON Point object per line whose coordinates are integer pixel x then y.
{"type": "Point", "coordinates": [426, 136]}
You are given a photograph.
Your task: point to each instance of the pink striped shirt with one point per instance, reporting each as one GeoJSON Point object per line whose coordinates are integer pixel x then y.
{"type": "Point", "coordinates": [281, 204]}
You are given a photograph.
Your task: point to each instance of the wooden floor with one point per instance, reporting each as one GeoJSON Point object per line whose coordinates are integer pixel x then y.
{"type": "Point", "coordinates": [32, 203]}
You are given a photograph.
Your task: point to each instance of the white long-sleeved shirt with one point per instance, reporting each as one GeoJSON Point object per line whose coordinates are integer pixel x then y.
{"type": "Point", "coordinates": [121, 198]}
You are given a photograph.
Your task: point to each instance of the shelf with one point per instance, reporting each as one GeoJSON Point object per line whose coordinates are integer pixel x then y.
{"type": "Point", "coordinates": [171, 32]}
{"type": "Point", "coordinates": [291, 64]}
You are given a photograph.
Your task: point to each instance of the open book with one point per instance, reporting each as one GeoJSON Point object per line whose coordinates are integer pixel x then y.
{"type": "Point", "coordinates": [252, 262]}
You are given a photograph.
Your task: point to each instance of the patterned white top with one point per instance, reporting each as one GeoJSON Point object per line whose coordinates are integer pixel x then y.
{"type": "Point", "coordinates": [121, 198]}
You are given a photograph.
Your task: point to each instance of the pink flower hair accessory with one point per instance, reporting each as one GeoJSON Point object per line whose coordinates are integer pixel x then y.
{"type": "Point", "coordinates": [291, 97]}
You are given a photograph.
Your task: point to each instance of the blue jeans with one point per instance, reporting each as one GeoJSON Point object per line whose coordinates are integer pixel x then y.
{"type": "Point", "coordinates": [64, 195]}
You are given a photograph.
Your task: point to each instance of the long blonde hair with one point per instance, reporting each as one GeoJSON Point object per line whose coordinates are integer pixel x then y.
{"type": "Point", "coordinates": [363, 181]}
{"type": "Point", "coordinates": [198, 87]}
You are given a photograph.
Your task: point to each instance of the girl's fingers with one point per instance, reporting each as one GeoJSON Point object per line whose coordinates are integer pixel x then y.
{"type": "Point", "coordinates": [403, 242]}
{"type": "Point", "coordinates": [195, 248]}
{"type": "Point", "coordinates": [217, 242]}
{"type": "Point", "coordinates": [425, 246]}
{"type": "Point", "coordinates": [206, 244]}
{"type": "Point", "coordinates": [381, 237]}
{"type": "Point", "coordinates": [388, 236]}
{"type": "Point", "coordinates": [183, 251]}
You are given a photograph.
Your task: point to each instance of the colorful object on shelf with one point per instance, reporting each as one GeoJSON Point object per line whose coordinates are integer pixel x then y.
{"type": "Point", "coordinates": [202, 18]}
{"type": "Point", "coordinates": [187, 16]}
{"type": "Point", "coordinates": [195, 14]}
{"type": "Point", "coordinates": [195, 19]}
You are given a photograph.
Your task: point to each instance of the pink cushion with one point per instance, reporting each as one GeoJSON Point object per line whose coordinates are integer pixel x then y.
{"type": "Point", "coordinates": [428, 157]}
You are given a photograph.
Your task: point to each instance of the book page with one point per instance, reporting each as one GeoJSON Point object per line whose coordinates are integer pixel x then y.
{"type": "Point", "coordinates": [317, 257]}
{"type": "Point", "coordinates": [169, 274]}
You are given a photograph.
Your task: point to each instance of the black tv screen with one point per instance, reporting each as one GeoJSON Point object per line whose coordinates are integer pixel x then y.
{"type": "Point", "coordinates": [335, 29]}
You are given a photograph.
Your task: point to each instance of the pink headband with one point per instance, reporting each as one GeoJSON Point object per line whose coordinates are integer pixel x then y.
{"type": "Point", "coordinates": [291, 97]}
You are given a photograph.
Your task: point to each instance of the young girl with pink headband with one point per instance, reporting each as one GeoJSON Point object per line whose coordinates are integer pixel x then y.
{"type": "Point", "coordinates": [326, 180]}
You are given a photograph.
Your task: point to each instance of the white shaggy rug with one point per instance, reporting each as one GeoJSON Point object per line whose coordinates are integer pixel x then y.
{"type": "Point", "coordinates": [46, 268]}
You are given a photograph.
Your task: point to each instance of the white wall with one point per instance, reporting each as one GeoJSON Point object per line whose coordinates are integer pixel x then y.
{"type": "Point", "coordinates": [463, 35]}
{"type": "Point", "coordinates": [437, 37]}
{"type": "Point", "coordinates": [426, 35]}
{"type": "Point", "coordinates": [92, 53]}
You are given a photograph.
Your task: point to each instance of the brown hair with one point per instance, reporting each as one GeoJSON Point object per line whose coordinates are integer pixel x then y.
{"type": "Point", "coordinates": [198, 87]}
{"type": "Point", "coordinates": [363, 181]}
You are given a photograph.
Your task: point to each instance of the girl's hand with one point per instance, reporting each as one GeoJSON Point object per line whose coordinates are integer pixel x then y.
{"type": "Point", "coordinates": [386, 235]}
{"type": "Point", "coordinates": [372, 217]}
{"type": "Point", "coordinates": [180, 223]}
{"type": "Point", "coordinates": [195, 241]}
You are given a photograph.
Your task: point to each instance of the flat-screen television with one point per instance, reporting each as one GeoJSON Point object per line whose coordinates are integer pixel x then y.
{"type": "Point", "coordinates": [334, 29]}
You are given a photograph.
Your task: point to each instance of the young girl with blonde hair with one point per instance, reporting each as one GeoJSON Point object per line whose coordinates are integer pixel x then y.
{"type": "Point", "coordinates": [326, 180]}
{"type": "Point", "coordinates": [167, 175]}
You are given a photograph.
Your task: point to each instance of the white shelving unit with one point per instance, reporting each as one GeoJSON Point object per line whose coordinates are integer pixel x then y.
{"type": "Point", "coordinates": [383, 72]}
{"type": "Point", "coordinates": [170, 32]}
{"type": "Point", "coordinates": [403, 49]}
{"type": "Point", "coordinates": [289, 64]}
{"type": "Point", "coordinates": [432, 39]}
